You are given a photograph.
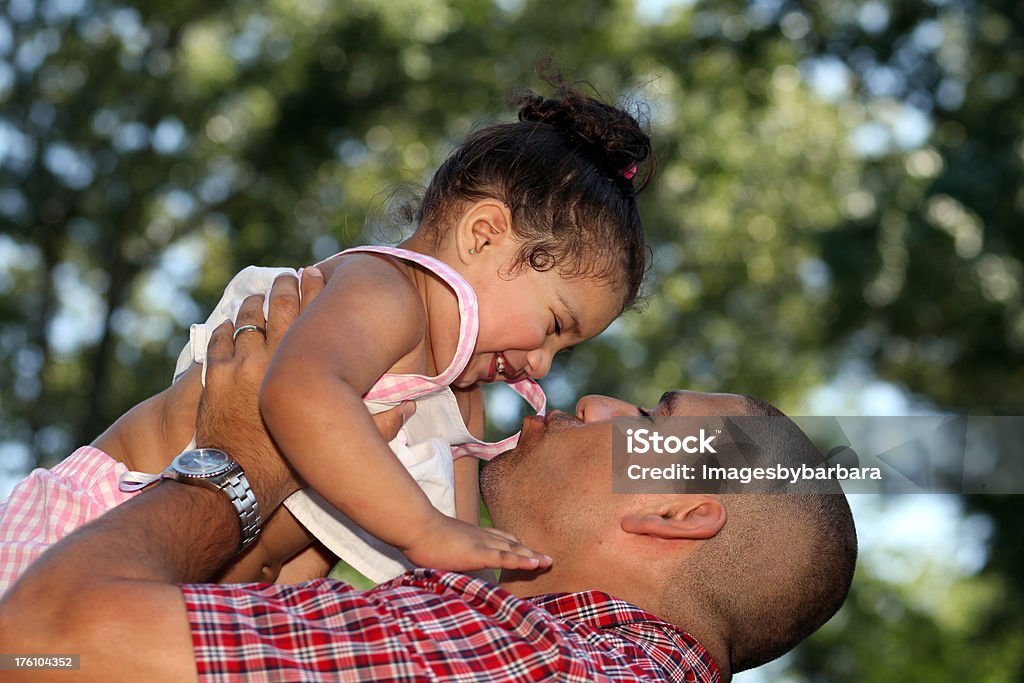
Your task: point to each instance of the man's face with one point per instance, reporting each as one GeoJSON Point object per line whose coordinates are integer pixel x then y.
{"type": "Point", "coordinates": [556, 484]}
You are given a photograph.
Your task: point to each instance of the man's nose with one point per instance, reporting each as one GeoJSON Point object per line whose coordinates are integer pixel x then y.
{"type": "Point", "coordinates": [596, 407]}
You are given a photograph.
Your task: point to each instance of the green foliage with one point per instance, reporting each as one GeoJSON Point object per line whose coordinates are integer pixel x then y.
{"type": "Point", "coordinates": [146, 153]}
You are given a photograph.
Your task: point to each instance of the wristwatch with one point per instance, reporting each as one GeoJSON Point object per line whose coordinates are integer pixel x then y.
{"type": "Point", "coordinates": [215, 469]}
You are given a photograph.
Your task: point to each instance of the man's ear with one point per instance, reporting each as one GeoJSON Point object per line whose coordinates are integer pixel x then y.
{"type": "Point", "coordinates": [484, 224]}
{"type": "Point", "coordinates": [693, 517]}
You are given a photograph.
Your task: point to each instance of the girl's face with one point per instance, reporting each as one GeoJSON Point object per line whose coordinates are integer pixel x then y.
{"type": "Point", "coordinates": [525, 320]}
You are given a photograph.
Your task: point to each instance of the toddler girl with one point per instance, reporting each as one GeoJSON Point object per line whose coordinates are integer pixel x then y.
{"type": "Point", "coordinates": [528, 242]}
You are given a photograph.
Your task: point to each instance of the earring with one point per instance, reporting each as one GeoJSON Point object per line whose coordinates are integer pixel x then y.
{"type": "Point", "coordinates": [472, 251]}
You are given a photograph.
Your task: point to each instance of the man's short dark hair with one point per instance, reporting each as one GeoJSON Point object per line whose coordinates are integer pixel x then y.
{"type": "Point", "coordinates": [783, 563]}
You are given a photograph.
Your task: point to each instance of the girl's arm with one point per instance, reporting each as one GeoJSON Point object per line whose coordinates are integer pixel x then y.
{"type": "Point", "coordinates": [467, 469]}
{"type": "Point", "coordinates": [368, 319]}
{"type": "Point", "coordinates": [281, 539]}
{"type": "Point", "coordinates": [467, 490]}
{"type": "Point", "coordinates": [314, 562]}
{"type": "Point", "coordinates": [147, 437]}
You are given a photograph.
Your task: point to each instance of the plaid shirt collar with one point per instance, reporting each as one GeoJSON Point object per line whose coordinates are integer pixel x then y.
{"type": "Point", "coordinates": [597, 609]}
{"type": "Point", "coordinates": [682, 656]}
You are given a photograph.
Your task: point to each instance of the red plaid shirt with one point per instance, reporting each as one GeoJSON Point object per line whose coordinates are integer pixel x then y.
{"type": "Point", "coordinates": [429, 625]}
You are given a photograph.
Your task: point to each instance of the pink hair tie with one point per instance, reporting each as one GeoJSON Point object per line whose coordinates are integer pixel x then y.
{"type": "Point", "coordinates": [630, 171]}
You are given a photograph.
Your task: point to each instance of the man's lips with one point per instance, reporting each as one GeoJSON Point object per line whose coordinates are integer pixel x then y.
{"type": "Point", "coordinates": [561, 417]}
{"type": "Point", "coordinates": [555, 418]}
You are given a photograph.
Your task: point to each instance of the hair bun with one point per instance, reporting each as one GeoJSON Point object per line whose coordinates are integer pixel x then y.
{"type": "Point", "coordinates": [612, 137]}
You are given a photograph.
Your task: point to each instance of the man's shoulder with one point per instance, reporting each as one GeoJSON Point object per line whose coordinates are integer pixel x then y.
{"type": "Point", "coordinates": [642, 635]}
{"type": "Point", "coordinates": [481, 625]}
{"type": "Point", "coordinates": [602, 627]}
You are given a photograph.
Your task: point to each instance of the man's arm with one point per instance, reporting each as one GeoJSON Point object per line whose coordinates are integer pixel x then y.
{"type": "Point", "coordinates": [107, 591]}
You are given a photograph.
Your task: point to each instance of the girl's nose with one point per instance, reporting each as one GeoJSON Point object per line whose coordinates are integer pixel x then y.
{"type": "Point", "coordinates": [538, 363]}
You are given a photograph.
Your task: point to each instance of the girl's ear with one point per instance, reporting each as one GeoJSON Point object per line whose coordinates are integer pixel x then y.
{"type": "Point", "coordinates": [485, 224]}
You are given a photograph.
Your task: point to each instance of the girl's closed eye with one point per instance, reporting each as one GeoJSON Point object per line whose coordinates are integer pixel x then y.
{"type": "Point", "coordinates": [558, 325]}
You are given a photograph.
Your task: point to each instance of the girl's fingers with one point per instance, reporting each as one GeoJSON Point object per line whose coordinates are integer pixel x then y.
{"type": "Point", "coordinates": [510, 559]}
{"type": "Point", "coordinates": [504, 535]}
{"type": "Point", "coordinates": [511, 551]}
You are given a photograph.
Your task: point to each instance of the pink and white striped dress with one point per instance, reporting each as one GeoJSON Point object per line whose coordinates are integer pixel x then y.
{"type": "Point", "coordinates": [47, 505]}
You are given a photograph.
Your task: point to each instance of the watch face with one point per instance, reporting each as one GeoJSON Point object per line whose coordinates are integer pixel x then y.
{"type": "Point", "coordinates": [203, 462]}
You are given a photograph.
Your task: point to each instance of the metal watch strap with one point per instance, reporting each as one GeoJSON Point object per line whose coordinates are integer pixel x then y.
{"type": "Point", "coordinates": [240, 494]}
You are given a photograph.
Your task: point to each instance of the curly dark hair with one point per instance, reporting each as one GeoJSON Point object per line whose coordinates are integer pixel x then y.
{"type": "Point", "coordinates": [569, 170]}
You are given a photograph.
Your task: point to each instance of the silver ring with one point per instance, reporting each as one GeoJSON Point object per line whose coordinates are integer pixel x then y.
{"type": "Point", "coordinates": [247, 328]}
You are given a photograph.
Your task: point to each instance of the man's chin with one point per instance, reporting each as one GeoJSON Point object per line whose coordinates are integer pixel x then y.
{"type": "Point", "coordinates": [491, 470]}
{"type": "Point", "coordinates": [494, 474]}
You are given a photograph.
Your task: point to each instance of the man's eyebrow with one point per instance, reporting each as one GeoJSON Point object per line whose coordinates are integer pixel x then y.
{"type": "Point", "coordinates": [575, 327]}
{"type": "Point", "coordinates": [668, 398]}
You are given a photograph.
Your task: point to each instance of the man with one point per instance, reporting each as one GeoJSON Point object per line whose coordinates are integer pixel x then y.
{"type": "Point", "coordinates": [743, 578]}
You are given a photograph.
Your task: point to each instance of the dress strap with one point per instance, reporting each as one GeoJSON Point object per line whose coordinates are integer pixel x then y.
{"type": "Point", "coordinates": [534, 395]}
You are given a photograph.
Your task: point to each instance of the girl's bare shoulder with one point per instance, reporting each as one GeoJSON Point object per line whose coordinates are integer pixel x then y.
{"type": "Point", "coordinates": [370, 263]}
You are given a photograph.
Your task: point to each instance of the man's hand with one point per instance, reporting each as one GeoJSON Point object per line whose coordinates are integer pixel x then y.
{"type": "Point", "coordinates": [229, 415]}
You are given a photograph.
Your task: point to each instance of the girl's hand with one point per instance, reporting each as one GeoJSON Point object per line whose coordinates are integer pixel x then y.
{"type": "Point", "coordinates": [454, 545]}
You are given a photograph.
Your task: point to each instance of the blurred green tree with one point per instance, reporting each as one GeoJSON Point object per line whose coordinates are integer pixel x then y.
{"type": "Point", "coordinates": [840, 185]}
